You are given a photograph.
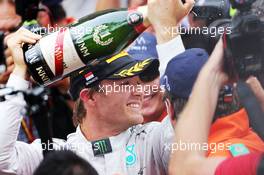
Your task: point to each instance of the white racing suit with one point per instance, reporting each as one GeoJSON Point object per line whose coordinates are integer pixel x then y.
{"type": "Point", "coordinates": [141, 149]}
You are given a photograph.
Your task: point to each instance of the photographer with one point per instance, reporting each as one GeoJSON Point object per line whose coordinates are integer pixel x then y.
{"type": "Point", "coordinates": [185, 162]}
{"type": "Point", "coordinates": [230, 130]}
{"type": "Point", "coordinates": [211, 79]}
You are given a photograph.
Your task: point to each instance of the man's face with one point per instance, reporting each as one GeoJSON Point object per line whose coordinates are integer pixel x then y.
{"type": "Point", "coordinates": [8, 17]}
{"type": "Point", "coordinates": [153, 105]}
{"type": "Point", "coordinates": [118, 103]}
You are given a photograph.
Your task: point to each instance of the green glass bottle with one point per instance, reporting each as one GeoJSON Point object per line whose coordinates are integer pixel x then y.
{"type": "Point", "coordinates": [86, 42]}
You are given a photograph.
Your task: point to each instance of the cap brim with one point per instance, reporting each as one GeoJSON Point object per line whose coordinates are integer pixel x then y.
{"type": "Point", "coordinates": [118, 67]}
{"type": "Point", "coordinates": [135, 68]}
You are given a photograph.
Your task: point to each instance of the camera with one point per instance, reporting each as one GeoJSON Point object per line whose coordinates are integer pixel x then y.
{"type": "Point", "coordinates": [244, 47]}
{"type": "Point", "coordinates": [215, 18]}
{"type": "Point", "coordinates": [211, 10]}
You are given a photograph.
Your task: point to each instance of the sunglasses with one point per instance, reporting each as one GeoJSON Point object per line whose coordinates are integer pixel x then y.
{"type": "Point", "coordinates": [149, 75]}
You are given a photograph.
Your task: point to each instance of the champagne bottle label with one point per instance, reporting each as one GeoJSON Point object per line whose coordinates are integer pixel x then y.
{"type": "Point", "coordinates": [38, 67]}
{"type": "Point", "coordinates": [59, 53]}
{"type": "Point", "coordinates": [85, 43]}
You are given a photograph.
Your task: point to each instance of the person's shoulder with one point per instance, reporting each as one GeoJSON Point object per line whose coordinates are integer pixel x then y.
{"type": "Point", "coordinates": [76, 140]}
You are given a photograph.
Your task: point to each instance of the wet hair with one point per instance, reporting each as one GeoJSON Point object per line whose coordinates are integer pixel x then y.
{"type": "Point", "coordinates": [79, 111]}
{"type": "Point", "coordinates": [178, 103]}
{"type": "Point", "coordinates": [64, 163]}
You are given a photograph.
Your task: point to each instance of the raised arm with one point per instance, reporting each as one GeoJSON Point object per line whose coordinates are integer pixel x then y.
{"type": "Point", "coordinates": [10, 110]}
{"type": "Point", "coordinates": [165, 21]}
{"type": "Point", "coordinates": [195, 120]}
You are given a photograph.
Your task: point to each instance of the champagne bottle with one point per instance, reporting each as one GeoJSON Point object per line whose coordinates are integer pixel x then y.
{"type": "Point", "coordinates": [84, 43]}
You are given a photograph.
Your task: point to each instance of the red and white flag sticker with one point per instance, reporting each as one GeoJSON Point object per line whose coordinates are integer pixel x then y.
{"type": "Point", "coordinates": [89, 76]}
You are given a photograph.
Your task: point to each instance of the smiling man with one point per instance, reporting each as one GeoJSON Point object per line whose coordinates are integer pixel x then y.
{"type": "Point", "coordinates": [110, 135]}
{"type": "Point", "coordinates": [153, 107]}
{"type": "Point", "coordinates": [112, 105]}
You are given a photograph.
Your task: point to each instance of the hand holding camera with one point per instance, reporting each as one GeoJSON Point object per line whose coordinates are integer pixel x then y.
{"type": "Point", "coordinates": [244, 47]}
